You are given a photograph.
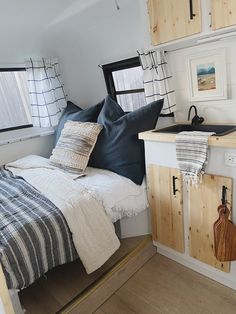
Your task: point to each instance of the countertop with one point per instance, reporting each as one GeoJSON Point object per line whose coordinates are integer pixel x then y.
{"type": "Point", "coordinates": [228, 140]}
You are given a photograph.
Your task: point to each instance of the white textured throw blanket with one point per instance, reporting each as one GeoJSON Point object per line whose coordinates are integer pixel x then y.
{"type": "Point", "coordinates": [191, 153]}
{"type": "Point", "coordinates": [92, 231]}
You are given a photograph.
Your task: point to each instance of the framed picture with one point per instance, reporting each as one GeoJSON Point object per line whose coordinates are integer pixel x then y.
{"type": "Point", "coordinates": [207, 76]}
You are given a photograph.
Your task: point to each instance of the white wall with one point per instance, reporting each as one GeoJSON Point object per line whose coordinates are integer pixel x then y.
{"type": "Point", "coordinates": [85, 33]}
{"type": "Point", "coordinates": [98, 33]}
{"type": "Point", "coordinates": [220, 111]}
{"type": "Point", "coordinates": [84, 36]}
{"type": "Point", "coordinates": [24, 32]}
{"type": "Point", "coordinates": [37, 146]}
{"type": "Point", "coordinates": [25, 26]}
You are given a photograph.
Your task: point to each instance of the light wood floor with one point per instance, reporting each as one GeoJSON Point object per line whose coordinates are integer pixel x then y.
{"type": "Point", "coordinates": [163, 286]}
{"type": "Point", "coordinates": [62, 284]}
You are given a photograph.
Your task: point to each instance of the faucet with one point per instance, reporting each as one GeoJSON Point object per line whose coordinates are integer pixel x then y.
{"type": "Point", "coordinates": [196, 120]}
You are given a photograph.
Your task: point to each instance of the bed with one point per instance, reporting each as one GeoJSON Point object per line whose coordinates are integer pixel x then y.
{"type": "Point", "coordinates": [50, 217]}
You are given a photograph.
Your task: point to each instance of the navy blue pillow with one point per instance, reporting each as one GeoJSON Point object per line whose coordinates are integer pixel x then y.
{"type": "Point", "coordinates": [75, 113]}
{"type": "Point", "coordinates": [118, 148]}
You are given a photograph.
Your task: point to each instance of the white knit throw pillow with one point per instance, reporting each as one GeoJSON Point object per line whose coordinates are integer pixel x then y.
{"type": "Point", "coordinates": [75, 145]}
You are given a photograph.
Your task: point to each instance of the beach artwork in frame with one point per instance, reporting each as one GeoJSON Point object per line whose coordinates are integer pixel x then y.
{"type": "Point", "coordinates": [207, 76]}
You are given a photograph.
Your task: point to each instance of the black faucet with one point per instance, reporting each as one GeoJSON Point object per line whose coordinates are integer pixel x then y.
{"type": "Point", "coordinates": [196, 120]}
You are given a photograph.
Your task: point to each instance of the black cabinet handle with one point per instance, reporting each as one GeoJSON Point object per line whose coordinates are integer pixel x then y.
{"type": "Point", "coordinates": [191, 10]}
{"type": "Point", "coordinates": [173, 185]}
{"type": "Point", "coordinates": [224, 195]}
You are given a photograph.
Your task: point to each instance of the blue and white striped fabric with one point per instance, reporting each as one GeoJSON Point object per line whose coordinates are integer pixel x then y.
{"type": "Point", "coordinates": [157, 80]}
{"type": "Point", "coordinates": [34, 235]}
{"type": "Point", "coordinates": [46, 89]}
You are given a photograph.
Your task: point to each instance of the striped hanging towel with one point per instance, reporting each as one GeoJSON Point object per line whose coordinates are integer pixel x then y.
{"type": "Point", "coordinates": [191, 153]}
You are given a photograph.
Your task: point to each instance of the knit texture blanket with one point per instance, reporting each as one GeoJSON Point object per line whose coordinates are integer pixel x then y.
{"type": "Point", "coordinates": [191, 153]}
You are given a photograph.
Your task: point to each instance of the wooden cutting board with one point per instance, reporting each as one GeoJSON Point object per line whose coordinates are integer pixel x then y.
{"type": "Point", "coordinates": [224, 236]}
{"type": "Point", "coordinates": [204, 200]}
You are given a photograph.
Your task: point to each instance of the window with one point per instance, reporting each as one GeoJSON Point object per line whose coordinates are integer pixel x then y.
{"type": "Point", "coordinates": [14, 99]}
{"type": "Point", "coordinates": [124, 81]}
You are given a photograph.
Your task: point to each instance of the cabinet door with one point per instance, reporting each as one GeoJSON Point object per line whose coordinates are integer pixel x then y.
{"type": "Point", "coordinates": [172, 19]}
{"type": "Point", "coordinates": [204, 200]}
{"type": "Point", "coordinates": [223, 13]}
{"type": "Point", "coordinates": [165, 198]}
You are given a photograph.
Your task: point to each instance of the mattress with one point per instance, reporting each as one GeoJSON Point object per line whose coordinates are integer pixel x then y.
{"type": "Point", "coordinates": [92, 231]}
{"type": "Point", "coordinates": [89, 205]}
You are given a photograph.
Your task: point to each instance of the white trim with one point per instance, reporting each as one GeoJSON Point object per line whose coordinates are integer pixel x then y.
{"type": "Point", "coordinates": [196, 39]}
{"type": "Point", "coordinates": [14, 136]}
{"type": "Point", "coordinates": [216, 37]}
{"type": "Point", "coordinates": [197, 266]}
{"type": "Point", "coordinates": [218, 57]}
{"type": "Point", "coordinates": [12, 65]}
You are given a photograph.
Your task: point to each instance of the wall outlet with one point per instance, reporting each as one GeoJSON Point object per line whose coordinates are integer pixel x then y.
{"type": "Point", "coordinates": [230, 159]}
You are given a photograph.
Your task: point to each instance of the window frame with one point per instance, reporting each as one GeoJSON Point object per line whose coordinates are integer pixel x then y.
{"type": "Point", "coordinates": [116, 66]}
{"type": "Point", "coordinates": [122, 65]}
{"type": "Point", "coordinates": [18, 126]}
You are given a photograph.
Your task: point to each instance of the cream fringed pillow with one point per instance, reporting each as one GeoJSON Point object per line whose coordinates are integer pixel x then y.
{"type": "Point", "coordinates": [75, 145]}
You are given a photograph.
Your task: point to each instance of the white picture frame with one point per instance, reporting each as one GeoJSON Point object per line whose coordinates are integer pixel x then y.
{"type": "Point", "coordinates": [207, 76]}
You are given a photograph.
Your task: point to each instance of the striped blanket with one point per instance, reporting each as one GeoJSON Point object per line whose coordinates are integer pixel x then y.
{"type": "Point", "coordinates": [34, 235]}
{"type": "Point", "coordinates": [192, 154]}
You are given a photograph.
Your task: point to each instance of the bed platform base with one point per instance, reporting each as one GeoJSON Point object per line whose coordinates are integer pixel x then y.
{"type": "Point", "coordinates": [6, 306]}
{"type": "Point", "coordinates": [93, 297]}
{"type": "Point", "coordinates": [96, 294]}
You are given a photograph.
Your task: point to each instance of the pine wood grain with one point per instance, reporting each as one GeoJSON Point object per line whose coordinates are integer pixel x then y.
{"type": "Point", "coordinates": [167, 208]}
{"type": "Point", "coordinates": [4, 295]}
{"type": "Point", "coordinates": [223, 13]}
{"type": "Point", "coordinates": [204, 200]}
{"type": "Point", "coordinates": [170, 19]}
{"type": "Point", "coordinates": [228, 140]}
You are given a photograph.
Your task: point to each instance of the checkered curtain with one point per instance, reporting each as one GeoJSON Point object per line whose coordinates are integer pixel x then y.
{"type": "Point", "coordinates": [157, 80]}
{"type": "Point", "coordinates": [47, 95]}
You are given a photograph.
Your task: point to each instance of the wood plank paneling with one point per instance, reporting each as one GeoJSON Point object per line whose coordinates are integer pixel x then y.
{"type": "Point", "coordinates": [228, 140]}
{"type": "Point", "coordinates": [90, 300]}
{"type": "Point", "coordinates": [163, 286]}
{"type": "Point", "coordinates": [170, 19]}
{"type": "Point", "coordinates": [4, 295]}
{"type": "Point", "coordinates": [68, 281]}
{"type": "Point", "coordinates": [223, 13]}
{"type": "Point", "coordinates": [204, 200]}
{"type": "Point", "coordinates": [167, 211]}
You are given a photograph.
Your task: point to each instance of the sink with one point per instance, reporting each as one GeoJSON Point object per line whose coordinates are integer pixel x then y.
{"type": "Point", "coordinates": [219, 130]}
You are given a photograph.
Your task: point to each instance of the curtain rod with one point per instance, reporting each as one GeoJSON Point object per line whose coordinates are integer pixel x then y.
{"type": "Point", "coordinates": [101, 65]}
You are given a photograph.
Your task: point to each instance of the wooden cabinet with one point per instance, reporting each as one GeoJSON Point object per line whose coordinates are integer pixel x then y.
{"type": "Point", "coordinates": [165, 192]}
{"type": "Point", "coordinates": [173, 19]}
{"type": "Point", "coordinates": [223, 13]}
{"type": "Point", "coordinates": [183, 225]}
{"type": "Point", "coordinates": [166, 202]}
{"type": "Point", "coordinates": [203, 201]}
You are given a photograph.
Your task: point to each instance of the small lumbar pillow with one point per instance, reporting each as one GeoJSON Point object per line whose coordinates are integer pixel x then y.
{"type": "Point", "coordinates": [75, 113]}
{"type": "Point", "coordinates": [118, 148]}
{"type": "Point", "coordinates": [75, 145]}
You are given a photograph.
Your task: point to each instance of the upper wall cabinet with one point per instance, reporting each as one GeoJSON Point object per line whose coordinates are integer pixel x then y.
{"type": "Point", "coordinates": [223, 13]}
{"type": "Point", "coordinates": [173, 19]}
